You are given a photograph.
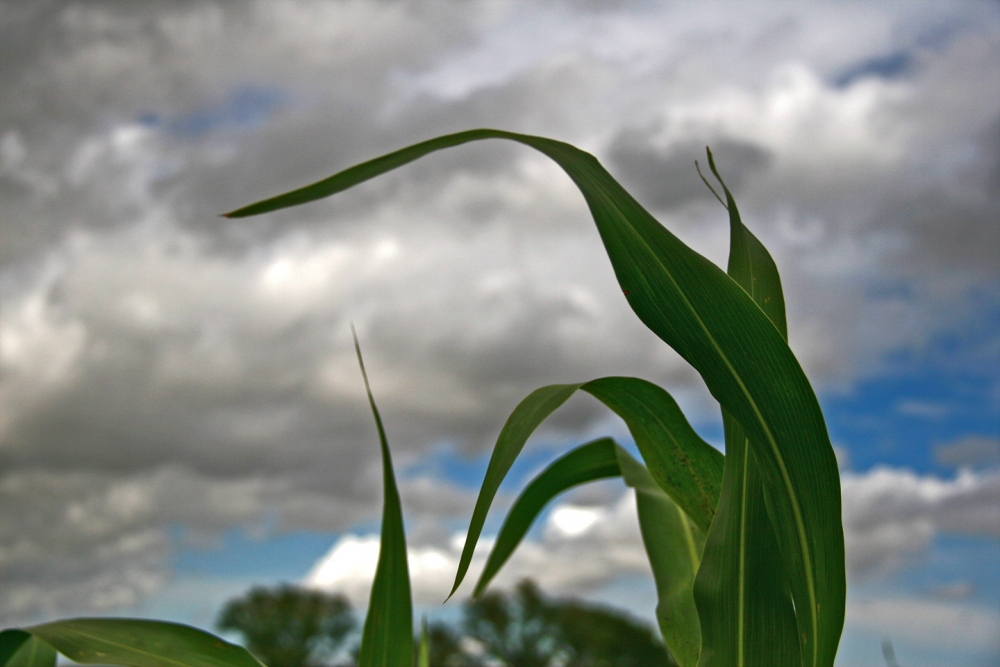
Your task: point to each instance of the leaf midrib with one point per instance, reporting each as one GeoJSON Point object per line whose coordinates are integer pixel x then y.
{"type": "Point", "coordinates": [799, 523]}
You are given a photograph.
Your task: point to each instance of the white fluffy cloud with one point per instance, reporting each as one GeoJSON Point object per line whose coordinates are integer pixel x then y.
{"type": "Point", "coordinates": [145, 343]}
{"type": "Point", "coordinates": [890, 517]}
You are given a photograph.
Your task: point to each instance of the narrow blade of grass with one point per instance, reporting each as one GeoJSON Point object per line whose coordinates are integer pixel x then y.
{"type": "Point", "coordinates": [387, 637]}
{"type": "Point", "coordinates": [673, 545]}
{"type": "Point", "coordinates": [140, 643]}
{"type": "Point", "coordinates": [744, 360]}
{"type": "Point", "coordinates": [586, 463]}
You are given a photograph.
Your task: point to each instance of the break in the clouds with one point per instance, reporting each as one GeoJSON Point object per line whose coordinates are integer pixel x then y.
{"type": "Point", "coordinates": [164, 368]}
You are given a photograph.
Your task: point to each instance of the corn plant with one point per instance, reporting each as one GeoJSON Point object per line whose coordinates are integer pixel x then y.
{"type": "Point", "coordinates": [747, 550]}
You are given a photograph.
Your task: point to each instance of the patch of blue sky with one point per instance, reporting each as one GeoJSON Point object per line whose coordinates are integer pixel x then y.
{"type": "Point", "coordinates": [888, 66]}
{"type": "Point", "coordinates": [247, 107]}
{"type": "Point", "coordinates": [274, 557]}
{"type": "Point", "coordinates": [947, 391]}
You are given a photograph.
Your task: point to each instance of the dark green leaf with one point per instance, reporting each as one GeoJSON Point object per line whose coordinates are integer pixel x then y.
{"type": "Point", "coordinates": [673, 544]}
{"type": "Point", "coordinates": [742, 588]}
{"type": "Point", "coordinates": [387, 638]}
{"type": "Point", "coordinates": [10, 641]}
{"type": "Point", "coordinates": [522, 422]}
{"type": "Point", "coordinates": [33, 653]}
{"type": "Point", "coordinates": [685, 466]}
{"type": "Point", "coordinates": [140, 643]}
{"type": "Point", "coordinates": [586, 463]}
{"type": "Point", "coordinates": [744, 360]}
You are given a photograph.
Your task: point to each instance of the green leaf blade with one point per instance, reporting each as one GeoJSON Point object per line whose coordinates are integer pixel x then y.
{"type": "Point", "coordinates": [140, 643]}
{"type": "Point", "coordinates": [673, 545]}
{"type": "Point", "coordinates": [743, 588]}
{"type": "Point", "coordinates": [387, 636]}
{"type": "Point", "coordinates": [20, 649]}
{"type": "Point", "coordinates": [686, 467]}
{"type": "Point", "coordinates": [522, 422]}
{"type": "Point", "coordinates": [744, 360]}
{"type": "Point", "coordinates": [586, 463]}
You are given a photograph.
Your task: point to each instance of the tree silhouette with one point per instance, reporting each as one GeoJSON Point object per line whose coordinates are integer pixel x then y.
{"type": "Point", "coordinates": [289, 626]}
{"type": "Point", "coordinates": [527, 629]}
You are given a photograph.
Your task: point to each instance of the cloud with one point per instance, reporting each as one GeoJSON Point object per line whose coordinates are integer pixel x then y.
{"type": "Point", "coordinates": [929, 623]}
{"type": "Point", "coordinates": [147, 344]}
{"type": "Point", "coordinates": [580, 548]}
{"type": "Point", "coordinates": [893, 515]}
{"type": "Point", "coordinates": [973, 450]}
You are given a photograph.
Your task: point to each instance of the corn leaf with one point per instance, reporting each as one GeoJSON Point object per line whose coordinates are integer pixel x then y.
{"type": "Point", "coordinates": [586, 463]}
{"type": "Point", "coordinates": [674, 546]}
{"type": "Point", "coordinates": [387, 637]}
{"type": "Point", "coordinates": [20, 649]}
{"type": "Point", "coordinates": [11, 641]}
{"type": "Point", "coordinates": [140, 643]}
{"type": "Point", "coordinates": [673, 543]}
{"type": "Point", "coordinates": [742, 589]}
{"type": "Point", "coordinates": [687, 468]}
{"type": "Point", "coordinates": [716, 327]}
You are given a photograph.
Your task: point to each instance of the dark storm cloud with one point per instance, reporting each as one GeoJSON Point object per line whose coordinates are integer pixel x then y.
{"type": "Point", "coordinates": [665, 179]}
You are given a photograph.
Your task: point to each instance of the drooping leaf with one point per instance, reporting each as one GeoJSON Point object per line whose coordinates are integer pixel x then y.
{"type": "Point", "coordinates": [687, 468]}
{"type": "Point", "coordinates": [586, 463]}
{"type": "Point", "coordinates": [140, 643]}
{"type": "Point", "coordinates": [387, 637]}
{"type": "Point", "coordinates": [742, 588]}
{"type": "Point", "coordinates": [744, 360]}
{"type": "Point", "coordinates": [674, 545]}
{"type": "Point", "coordinates": [522, 422]}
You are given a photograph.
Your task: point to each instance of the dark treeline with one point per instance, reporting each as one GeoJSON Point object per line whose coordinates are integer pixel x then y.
{"type": "Point", "coordinates": [289, 626]}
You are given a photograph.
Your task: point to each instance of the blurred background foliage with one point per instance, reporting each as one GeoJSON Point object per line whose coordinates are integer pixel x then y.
{"type": "Point", "coordinates": [289, 626]}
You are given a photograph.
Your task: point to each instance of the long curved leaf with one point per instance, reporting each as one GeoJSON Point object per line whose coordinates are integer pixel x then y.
{"type": "Point", "coordinates": [713, 324]}
{"type": "Point", "coordinates": [140, 643]}
{"type": "Point", "coordinates": [674, 546]}
{"type": "Point", "coordinates": [586, 463]}
{"type": "Point", "coordinates": [687, 468]}
{"type": "Point", "coordinates": [20, 649]}
{"type": "Point", "coordinates": [387, 637]}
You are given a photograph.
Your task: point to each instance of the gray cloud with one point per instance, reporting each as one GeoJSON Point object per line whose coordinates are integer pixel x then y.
{"type": "Point", "coordinates": [146, 342]}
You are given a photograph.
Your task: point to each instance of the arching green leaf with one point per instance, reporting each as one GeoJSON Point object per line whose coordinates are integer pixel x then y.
{"type": "Point", "coordinates": [140, 643]}
{"type": "Point", "coordinates": [586, 463]}
{"type": "Point", "coordinates": [744, 360]}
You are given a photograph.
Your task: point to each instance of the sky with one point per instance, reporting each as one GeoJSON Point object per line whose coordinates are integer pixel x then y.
{"type": "Point", "coordinates": [181, 412]}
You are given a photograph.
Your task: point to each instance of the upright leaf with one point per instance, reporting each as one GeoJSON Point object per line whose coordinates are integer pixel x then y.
{"type": "Point", "coordinates": [387, 637]}
{"type": "Point", "coordinates": [742, 589]}
{"type": "Point", "coordinates": [745, 363]}
{"type": "Point", "coordinates": [140, 643]}
{"type": "Point", "coordinates": [674, 546]}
